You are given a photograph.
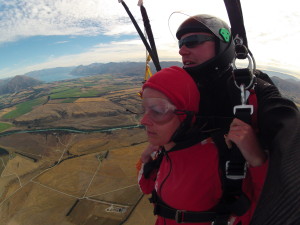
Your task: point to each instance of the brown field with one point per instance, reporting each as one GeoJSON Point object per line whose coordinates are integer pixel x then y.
{"type": "Point", "coordinates": [97, 170]}
{"type": "Point", "coordinates": [84, 113]}
{"type": "Point", "coordinates": [62, 178]}
{"type": "Point", "coordinates": [97, 99]}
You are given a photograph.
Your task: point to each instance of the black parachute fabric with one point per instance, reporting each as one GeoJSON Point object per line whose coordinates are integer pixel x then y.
{"type": "Point", "coordinates": [279, 121]}
{"type": "Point", "coordinates": [280, 199]}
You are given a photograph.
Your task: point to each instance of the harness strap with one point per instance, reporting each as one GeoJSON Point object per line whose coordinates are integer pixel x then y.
{"type": "Point", "coordinates": [183, 216]}
{"type": "Point", "coordinates": [233, 171]}
{"type": "Point", "coordinates": [235, 14]}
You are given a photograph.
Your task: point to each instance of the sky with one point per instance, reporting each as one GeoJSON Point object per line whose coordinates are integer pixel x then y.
{"type": "Point", "coordinates": [41, 34]}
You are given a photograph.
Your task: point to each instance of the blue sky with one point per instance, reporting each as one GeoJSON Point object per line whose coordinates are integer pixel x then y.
{"type": "Point", "coordinates": [39, 34]}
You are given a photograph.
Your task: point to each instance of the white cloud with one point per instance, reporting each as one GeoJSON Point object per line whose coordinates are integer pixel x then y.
{"type": "Point", "coordinates": [61, 42]}
{"type": "Point", "coordinates": [272, 26]}
{"type": "Point", "coordinates": [24, 18]}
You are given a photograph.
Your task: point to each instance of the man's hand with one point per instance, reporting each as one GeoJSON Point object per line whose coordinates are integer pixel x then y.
{"type": "Point", "coordinates": [243, 135]}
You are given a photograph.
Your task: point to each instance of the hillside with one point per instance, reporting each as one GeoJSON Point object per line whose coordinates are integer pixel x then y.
{"type": "Point", "coordinates": [281, 75]}
{"type": "Point", "coordinates": [52, 74]}
{"type": "Point", "coordinates": [122, 68]}
{"type": "Point", "coordinates": [289, 88]}
{"type": "Point", "coordinates": [17, 83]}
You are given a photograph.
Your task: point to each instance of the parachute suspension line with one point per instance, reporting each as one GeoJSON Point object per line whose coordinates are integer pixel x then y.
{"type": "Point", "coordinates": [153, 56]}
{"type": "Point", "coordinates": [148, 30]}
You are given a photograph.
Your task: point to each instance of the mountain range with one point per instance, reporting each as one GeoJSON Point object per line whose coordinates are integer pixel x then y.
{"type": "Point", "coordinates": [121, 68]}
{"type": "Point", "coordinates": [287, 84]}
{"type": "Point", "coordinates": [52, 74]}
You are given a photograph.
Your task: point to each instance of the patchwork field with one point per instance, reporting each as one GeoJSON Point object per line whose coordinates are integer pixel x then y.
{"type": "Point", "coordinates": [68, 155]}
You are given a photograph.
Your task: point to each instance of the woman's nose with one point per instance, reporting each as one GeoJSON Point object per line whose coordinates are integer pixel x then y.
{"type": "Point", "coordinates": [146, 120]}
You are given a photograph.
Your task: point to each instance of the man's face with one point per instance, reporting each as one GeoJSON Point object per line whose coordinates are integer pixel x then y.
{"type": "Point", "coordinates": [198, 54]}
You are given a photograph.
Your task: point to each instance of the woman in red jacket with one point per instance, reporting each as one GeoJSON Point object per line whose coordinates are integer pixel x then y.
{"type": "Point", "coordinates": [181, 164]}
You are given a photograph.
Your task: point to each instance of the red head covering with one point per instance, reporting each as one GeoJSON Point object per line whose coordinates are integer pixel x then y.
{"type": "Point", "coordinates": [178, 86]}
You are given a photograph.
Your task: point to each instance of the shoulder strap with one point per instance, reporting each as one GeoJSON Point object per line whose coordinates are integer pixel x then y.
{"type": "Point", "coordinates": [235, 14]}
{"type": "Point", "coordinates": [233, 171]}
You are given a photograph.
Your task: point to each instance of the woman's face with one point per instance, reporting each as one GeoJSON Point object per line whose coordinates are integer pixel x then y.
{"type": "Point", "coordinates": [159, 120]}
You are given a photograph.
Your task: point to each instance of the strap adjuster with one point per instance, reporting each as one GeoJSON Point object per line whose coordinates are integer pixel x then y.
{"type": "Point", "coordinates": [248, 108]}
{"type": "Point", "coordinates": [235, 170]}
{"type": "Point", "coordinates": [179, 216]}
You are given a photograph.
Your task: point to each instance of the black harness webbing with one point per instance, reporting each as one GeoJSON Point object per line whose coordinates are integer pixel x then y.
{"type": "Point", "coordinates": [183, 216]}
{"type": "Point", "coordinates": [235, 165]}
{"type": "Point", "coordinates": [235, 14]}
{"type": "Point", "coordinates": [233, 170]}
{"type": "Point", "coordinates": [233, 201]}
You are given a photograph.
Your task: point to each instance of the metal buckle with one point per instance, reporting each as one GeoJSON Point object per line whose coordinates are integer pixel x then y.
{"type": "Point", "coordinates": [237, 107]}
{"type": "Point", "coordinates": [235, 176]}
{"type": "Point", "coordinates": [178, 216]}
{"type": "Point", "coordinates": [244, 95]}
{"type": "Point", "coordinates": [213, 223]}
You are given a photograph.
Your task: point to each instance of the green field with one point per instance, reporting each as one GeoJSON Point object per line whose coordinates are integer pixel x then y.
{"type": "Point", "coordinates": [24, 108]}
{"type": "Point", "coordinates": [5, 126]}
{"type": "Point", "coordinates": [65, 92]}
{"type": "Point", "coordinates": [75, 93]}
{"type": "Point", "coordinates": [69, 100]}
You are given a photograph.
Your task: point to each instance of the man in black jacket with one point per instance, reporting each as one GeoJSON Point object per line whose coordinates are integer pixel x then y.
{"type": "Point", "coordinates": [207, 51]}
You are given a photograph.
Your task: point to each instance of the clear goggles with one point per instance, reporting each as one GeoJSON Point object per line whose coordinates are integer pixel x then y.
{"type": "Point", "coordinates": [159, 110]}
{"type": "Point", "coordinates": [193, 40]}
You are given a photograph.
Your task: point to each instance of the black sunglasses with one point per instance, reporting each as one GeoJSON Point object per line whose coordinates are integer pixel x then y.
{"type": "Point", "coordinates": [194, 40]}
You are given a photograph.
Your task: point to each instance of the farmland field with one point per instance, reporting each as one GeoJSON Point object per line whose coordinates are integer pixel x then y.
{"type": "Point", "coordinates": [69, 153]}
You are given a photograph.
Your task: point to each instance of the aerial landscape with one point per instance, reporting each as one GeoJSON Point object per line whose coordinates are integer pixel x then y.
{"type": "Point", "coordinates": [68, 149]}
{"type": "Point", "coordinates": [70, 76]}
{"type": "Point", "coordinates": [68, 152]}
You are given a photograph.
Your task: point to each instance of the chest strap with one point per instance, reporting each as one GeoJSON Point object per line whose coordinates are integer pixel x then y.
{"type": "Point", "coordinates": [183, 216]}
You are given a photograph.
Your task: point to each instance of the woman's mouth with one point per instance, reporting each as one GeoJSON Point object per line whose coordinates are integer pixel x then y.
{"type": "Point", "coordinates": [150, 133]}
